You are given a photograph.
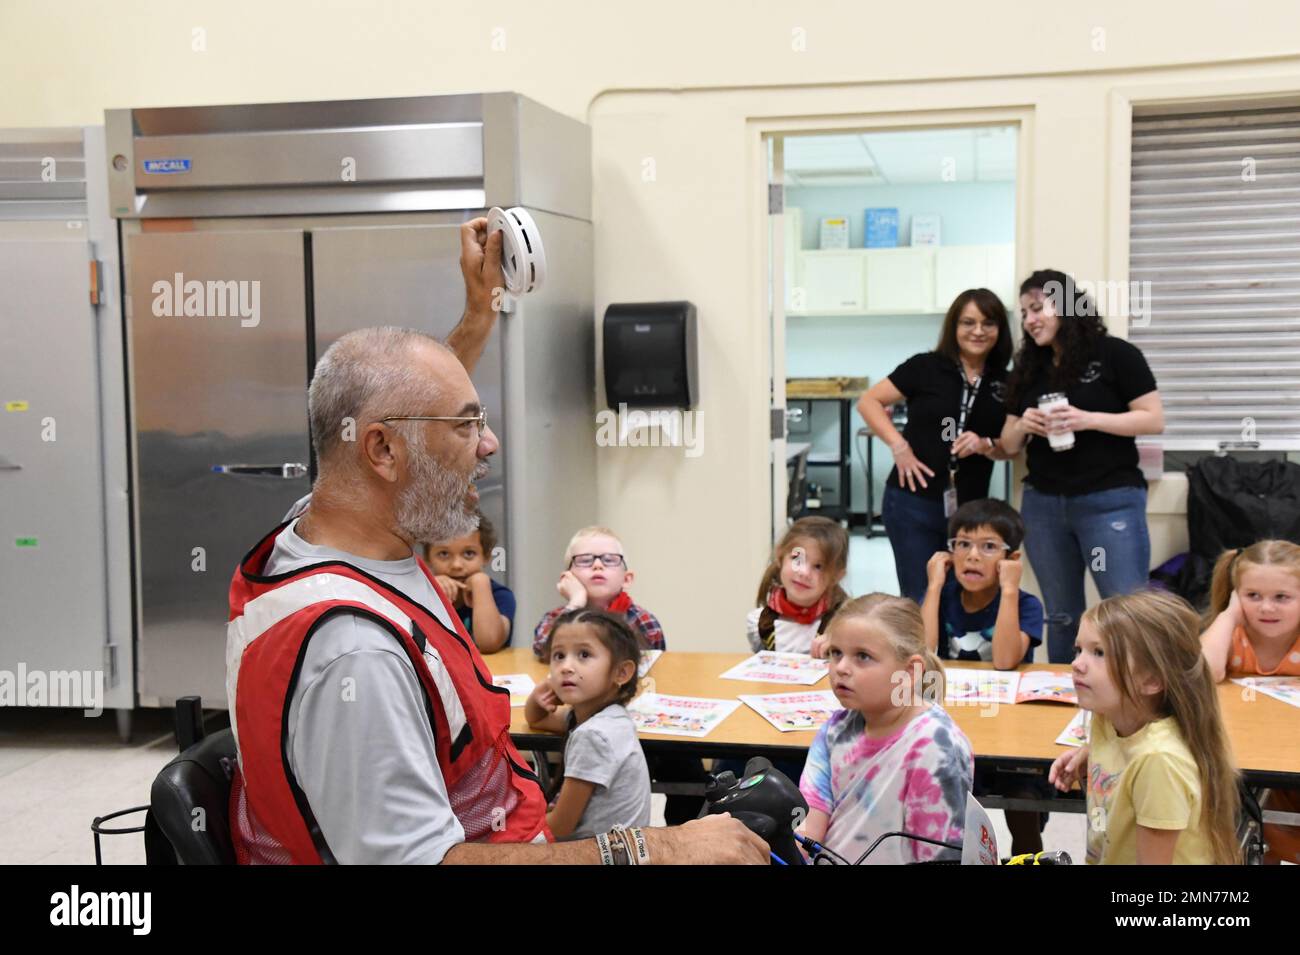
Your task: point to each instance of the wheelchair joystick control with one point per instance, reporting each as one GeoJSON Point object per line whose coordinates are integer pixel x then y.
{"type": "Point", "coordinates": [765, 801]}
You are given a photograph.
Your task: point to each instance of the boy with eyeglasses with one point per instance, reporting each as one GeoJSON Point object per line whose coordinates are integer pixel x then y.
{"type": "Point", "coordinates": [594, 576]}
{"type": "Point", "coordinates": [980, 612]}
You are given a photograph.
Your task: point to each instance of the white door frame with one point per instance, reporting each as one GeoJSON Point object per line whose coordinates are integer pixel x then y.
{"type": "Point", "coordinates": [775, 288]}
{"type": "Point", "coordinates": [769, 264]}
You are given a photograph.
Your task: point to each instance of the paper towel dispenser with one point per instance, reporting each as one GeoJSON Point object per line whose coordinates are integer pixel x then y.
{"type": "Point", "coordinates": [651, 357]}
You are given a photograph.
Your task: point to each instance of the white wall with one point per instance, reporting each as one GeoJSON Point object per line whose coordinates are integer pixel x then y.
{"type": "Point", "coordinates": [689, 85]}
{"type": "Point", "coordinates": [706, 142]}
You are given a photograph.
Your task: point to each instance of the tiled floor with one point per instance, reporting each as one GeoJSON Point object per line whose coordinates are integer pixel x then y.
{"type": "Point", "coordinates": [871, 566]}
{"type": "Point", "coordinates": [58, 770]}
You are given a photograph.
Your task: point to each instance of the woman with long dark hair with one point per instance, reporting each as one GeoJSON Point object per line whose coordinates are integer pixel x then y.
{"type": "Point", "coordinates": [1077, 398]}
{"type": "Point", "coordinates": [955, 411]}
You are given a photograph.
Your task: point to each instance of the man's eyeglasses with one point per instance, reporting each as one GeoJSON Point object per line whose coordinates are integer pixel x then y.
{"type": "Point", "coordinates": [586, 560]}
{"type": "Point", "coordinates": [959, 545]}
{"type": "Point", "coordinates": [480, 418]}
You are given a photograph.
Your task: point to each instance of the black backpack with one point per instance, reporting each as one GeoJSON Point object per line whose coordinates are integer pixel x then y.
{"type": "Point", "coordinates": [1233, 504]}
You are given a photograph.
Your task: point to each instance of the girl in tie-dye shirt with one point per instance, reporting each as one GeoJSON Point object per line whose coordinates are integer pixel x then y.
{"type": "Point", "coordinates": [892, 760]}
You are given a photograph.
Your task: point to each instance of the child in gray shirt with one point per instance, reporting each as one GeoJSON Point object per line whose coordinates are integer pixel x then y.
{"type": "Point", "coordinates": [593, 656]}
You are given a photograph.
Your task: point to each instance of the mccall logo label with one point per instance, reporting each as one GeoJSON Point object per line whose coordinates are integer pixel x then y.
{"type": "Point", "coordinates": [156, 167]}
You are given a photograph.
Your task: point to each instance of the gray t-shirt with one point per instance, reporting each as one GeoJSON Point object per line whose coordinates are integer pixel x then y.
{"type": "Point", "coordinates": [359, 741]}
{"type": "Point", "coordinates": [605, 750]}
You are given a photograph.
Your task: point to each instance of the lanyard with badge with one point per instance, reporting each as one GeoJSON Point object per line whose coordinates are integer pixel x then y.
{"type": "Point", "coordinates": [969, 389]}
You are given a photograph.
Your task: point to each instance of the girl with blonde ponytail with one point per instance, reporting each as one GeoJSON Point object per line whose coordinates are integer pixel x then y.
{"type": "Point", "coordinates": [1158, 770]}
{"type": "Point", "coordinates": [892, 760]}
{"type": "Point", "coordinates": [1253, 625]}
{"type": "Point", "coordinates": [1253, 629]}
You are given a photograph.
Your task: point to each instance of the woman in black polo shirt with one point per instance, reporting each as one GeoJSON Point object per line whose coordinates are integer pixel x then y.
{"type": "Point", "coordinates": [955, 412]}
{"type": "Point", "coordinates": [1085, 501]}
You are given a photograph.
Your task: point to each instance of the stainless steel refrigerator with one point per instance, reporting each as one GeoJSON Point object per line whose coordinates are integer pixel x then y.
{"type": "Point", "coordinates": [294, 223]}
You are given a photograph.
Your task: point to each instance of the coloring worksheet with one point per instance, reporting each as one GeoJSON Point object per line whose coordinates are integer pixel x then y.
{"type": "Point", "coordinates": [1284, 688]}
{"type": "Point", "coordinates": [648, 658]}
{"type": "Point", "coordinates": [1046, 686]}
{"type": "Point", "coordinates": [678, 715]}
{"type": "Point", "coordinates": [519, 685]}
{"type": "Point", "coordinates": [1076, 731]}
{"type": "Point", "coordinates": [768, 666]}
{"type": "Point", "coordinates": [980, 686]}
{"type": "Point", "coordinates": [794, 711]}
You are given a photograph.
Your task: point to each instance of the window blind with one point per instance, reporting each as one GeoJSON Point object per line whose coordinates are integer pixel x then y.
{"type": "Point", "coordinates": [1215, 230]}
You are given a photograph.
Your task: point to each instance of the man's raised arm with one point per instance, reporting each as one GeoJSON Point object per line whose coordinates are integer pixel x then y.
{"type": "Point", "coordinates": [480, 264]}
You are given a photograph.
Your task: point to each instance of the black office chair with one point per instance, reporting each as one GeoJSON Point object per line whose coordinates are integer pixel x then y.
{"type": "Point", "coordinates": [187, 821]}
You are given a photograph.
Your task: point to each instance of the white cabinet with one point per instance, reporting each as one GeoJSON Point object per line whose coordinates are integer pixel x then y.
{"type": "Point", "coordinates": [957, 268]}
{"type": "Point", "coordinates": [900, 280]}
{"type": "Point", "coordinates": [830, 282]}
{"type": "Point", "coordinates": [1002, 276]}
{"type": "Point", "coordinates": [961, 267]}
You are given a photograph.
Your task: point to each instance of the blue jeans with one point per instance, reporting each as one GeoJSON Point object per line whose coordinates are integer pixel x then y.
{"type": "Point", "coordinates": [916, 528]}
{"type": "Point", "coordinates": [1105, 532]}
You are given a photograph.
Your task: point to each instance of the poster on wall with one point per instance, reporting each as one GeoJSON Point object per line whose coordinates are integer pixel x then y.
{"type": "Point", "coordinates": [835, 232]}
{"type": "Point", "coordinates": [925, 230]}
{"type": "Point", "coordinates": [881, 229]}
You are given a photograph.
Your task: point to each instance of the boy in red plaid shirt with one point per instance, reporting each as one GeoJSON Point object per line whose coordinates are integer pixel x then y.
{"type": "Point", "coordinates": [594, 576]}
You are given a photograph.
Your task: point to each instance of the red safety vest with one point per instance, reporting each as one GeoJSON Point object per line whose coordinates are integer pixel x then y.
{"type": "Point", "coordinates": [493, 794]}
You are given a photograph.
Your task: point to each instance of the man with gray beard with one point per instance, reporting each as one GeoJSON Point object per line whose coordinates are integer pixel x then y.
{"type": "Point", "coordinates": [367, 727]}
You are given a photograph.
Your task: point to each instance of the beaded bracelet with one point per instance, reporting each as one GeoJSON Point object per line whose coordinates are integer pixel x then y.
{"type": "Point", "coordinates": [634, 843]}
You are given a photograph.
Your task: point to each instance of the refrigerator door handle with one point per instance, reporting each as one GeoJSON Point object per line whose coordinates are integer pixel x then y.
{"type": "Point", "coordinates": [285, 471]}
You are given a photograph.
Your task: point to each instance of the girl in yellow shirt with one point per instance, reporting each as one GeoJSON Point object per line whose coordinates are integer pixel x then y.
{"type": "Point", "coordinates": [1157, 770]}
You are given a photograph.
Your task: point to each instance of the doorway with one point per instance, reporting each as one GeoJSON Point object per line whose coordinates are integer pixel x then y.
{"type": "Point", "coordinates": [874, 232]}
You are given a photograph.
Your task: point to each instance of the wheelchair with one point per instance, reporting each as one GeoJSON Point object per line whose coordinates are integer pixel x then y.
{"type": "Point", "coordinates": [187, 821]}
